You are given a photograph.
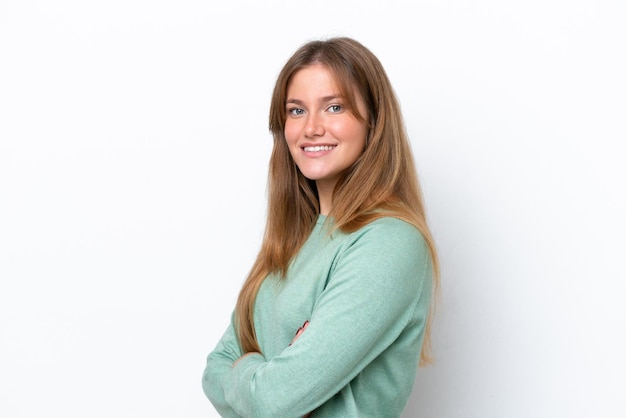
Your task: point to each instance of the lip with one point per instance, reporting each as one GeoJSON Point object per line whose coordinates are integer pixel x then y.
{"type": "Point", "coordinates": [317, 152]}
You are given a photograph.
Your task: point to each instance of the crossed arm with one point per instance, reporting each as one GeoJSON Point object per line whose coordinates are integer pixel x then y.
{"type": "Point", "coordinates": [360, 313]}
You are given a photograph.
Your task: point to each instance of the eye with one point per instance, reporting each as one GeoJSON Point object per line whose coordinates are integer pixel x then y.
{"type": "Point", "coordinates": [295, 111]}
{"type": "Point", "coordinates": [336, 108]}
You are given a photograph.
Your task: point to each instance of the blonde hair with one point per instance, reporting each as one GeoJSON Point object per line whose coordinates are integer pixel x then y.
{"type": "Point", "coordinates": [382, 182]}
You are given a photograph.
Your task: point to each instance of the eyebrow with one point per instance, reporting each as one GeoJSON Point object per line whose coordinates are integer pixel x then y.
{"type": "Point", "coordinates": [322, 100]}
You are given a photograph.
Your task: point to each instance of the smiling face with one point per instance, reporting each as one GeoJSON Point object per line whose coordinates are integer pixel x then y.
{"type": "Point", "coordinates": [324, 137]}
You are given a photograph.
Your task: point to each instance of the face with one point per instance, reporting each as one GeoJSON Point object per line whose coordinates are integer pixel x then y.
{"type": "Point", "coordinates": [324, 137]}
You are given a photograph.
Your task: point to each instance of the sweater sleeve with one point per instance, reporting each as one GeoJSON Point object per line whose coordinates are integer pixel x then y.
{"type": "Point", "coordinates": [376, 284]}
{"type": "Point", "coordinates": [219, 363]}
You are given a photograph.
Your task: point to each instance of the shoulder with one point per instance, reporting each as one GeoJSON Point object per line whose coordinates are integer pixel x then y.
{"type": "Point", "coordinates": [389, 232]}
{"type": "Point", "coordinates": [389, 255]}
{"type": "Point", "coordinates": [389, 241]}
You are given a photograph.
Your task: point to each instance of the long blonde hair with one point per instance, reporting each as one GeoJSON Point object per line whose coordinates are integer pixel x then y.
{"type": "Point", "coordinates": [382, 182]}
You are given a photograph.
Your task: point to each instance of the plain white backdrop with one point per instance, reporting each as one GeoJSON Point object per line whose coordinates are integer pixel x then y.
{"type": "Point", "coordinates": [133, 159]}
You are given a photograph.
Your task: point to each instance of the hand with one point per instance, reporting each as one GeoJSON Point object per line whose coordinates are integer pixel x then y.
{"type": "Point", "coordinates": [300, 331]}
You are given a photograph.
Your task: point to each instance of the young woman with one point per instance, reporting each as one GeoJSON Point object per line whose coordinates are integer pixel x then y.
{"type": "Point", "coordinates": [335, 313]}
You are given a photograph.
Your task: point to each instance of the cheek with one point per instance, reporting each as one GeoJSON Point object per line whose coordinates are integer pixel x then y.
{"type": "Point", "coordinates": [357, 134]}
{"type": "Point", "coordinates": [290, 133]}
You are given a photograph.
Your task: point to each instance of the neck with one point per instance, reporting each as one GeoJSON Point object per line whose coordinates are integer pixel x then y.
{"type": "Point", "coordinates": [325, 194]}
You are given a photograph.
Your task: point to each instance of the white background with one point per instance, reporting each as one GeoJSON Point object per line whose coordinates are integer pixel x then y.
{"type": "Point", "coordinates": [133, 160]}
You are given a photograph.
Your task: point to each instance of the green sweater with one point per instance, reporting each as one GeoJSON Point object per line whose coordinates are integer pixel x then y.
{"type": "Point", "coordinates": [366, 296]}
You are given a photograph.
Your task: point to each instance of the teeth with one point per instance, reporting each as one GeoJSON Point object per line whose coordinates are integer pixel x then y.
{"type": "Point", "coordinates": [319, 148]}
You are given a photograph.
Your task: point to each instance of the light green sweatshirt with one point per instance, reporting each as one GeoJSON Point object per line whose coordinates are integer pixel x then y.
{"type": "Point", "coordinates": [366, 296]}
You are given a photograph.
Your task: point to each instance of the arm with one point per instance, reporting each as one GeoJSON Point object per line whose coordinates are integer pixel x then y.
{"type": "Point", "coordinates": [219, 363]}
{"type": "Point", "coordinates": [376, 285]}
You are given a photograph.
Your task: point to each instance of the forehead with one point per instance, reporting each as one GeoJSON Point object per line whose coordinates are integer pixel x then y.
{"type": "Point", "coordinates": [319, 82]}
{"type": "Point", "coordinates": [314, 77]}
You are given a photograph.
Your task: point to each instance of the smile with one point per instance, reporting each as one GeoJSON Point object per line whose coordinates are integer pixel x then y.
{"type": "Point", "coordinates": [319, 148]}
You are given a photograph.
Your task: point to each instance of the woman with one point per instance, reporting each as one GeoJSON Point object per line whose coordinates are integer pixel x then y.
{"type": "Point", "coordinates": [347, 263]}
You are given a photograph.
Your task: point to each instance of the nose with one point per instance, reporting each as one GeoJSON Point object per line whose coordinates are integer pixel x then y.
{"type": "Point", "coordinates": [314, 126]}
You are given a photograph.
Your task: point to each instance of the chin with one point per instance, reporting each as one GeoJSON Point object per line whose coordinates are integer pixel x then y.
{"type": "Point", "coordinates": [314, 176]}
